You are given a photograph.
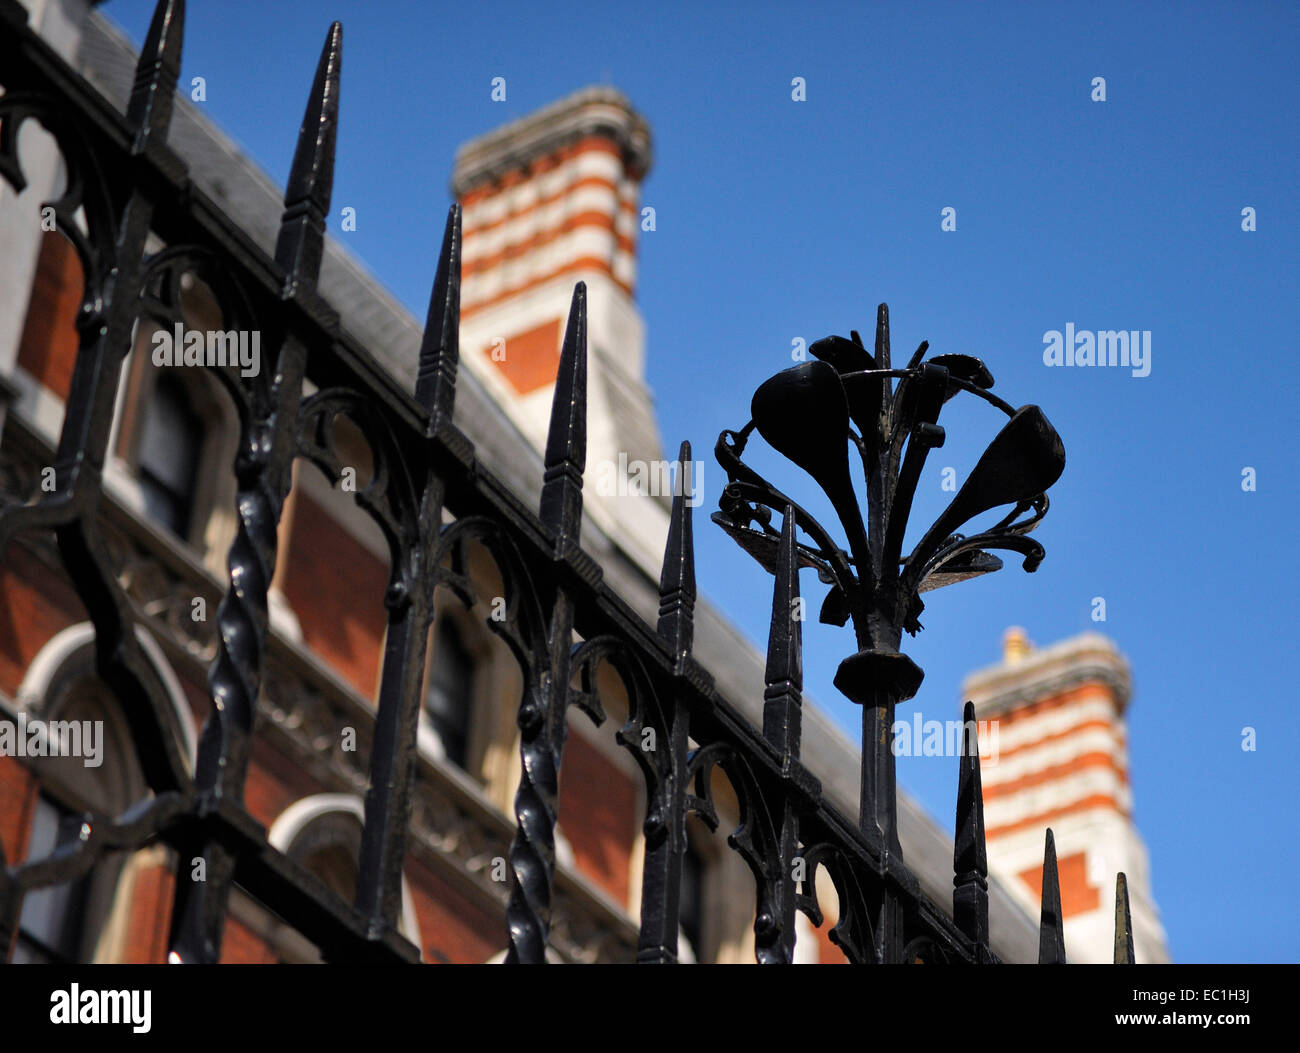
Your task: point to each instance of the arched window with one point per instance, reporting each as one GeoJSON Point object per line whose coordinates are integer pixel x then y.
{"type": "Point", "coordinates": [329, 846]}
{"type": "Point", "coordinates": [449, 698]}
{"type": "Point", "coordinates": [322, 833]}
{"type": "Point", "coordinates": [85, 920]}
{"type": "Point", "coordinates": [65, 923]}
{"type": "Point", "coordinates": [170, 443]}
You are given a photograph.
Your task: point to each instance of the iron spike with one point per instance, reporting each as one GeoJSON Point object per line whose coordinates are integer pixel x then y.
{"type": "Point", "coordinates": [970, 897]}
{"type": "Point", "coordinates": [784, 674]}
{"type": "Point", "coordinates": [1051, 933]}
{"type": "Point", "coordinates": [677, 579]}
{"type": "Point", "coordinates": [566, 441]}
{"type": "Point", "coordinates": [1123, 923]}
{"type": "Point", "coordinates": [882, 336]}
{"type": "Point", "coordinates": [301, 242]}
{"type": "Point", "coordinates": [149, 109]}
{"type": "Point", "coordinates": [435, 382]}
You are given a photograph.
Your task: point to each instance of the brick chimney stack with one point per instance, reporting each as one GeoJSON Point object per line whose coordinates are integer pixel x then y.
{"type": "Point", "coordinates": [1062, 761]}
{"type": "Point", "coordinates": [554, 194]}
{"type": "Point", "coordinates": [550, 200]}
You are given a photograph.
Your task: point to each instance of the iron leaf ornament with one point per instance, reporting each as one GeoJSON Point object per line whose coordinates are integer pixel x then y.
{"type": "Point", "coordinates": [848, 401]}
{"type": "Point", "coordinates": [814, 413]}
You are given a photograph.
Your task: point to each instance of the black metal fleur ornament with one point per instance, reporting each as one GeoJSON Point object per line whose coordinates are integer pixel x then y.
{"type": "Point", "coordinates": [849, 398]}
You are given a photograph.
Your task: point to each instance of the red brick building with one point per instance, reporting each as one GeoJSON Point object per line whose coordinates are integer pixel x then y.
{"type": "Point", "coordinates": [548, 200]}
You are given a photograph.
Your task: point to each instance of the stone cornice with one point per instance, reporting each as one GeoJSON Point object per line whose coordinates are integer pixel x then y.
{"type": "Point", "coordinates": [1087, 658]}
{"type": "Point", "coordinates": [592, 111]}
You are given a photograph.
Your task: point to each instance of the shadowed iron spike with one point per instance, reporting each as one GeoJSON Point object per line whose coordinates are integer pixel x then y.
{"type": "Point", "coordinates": [301, 242]}
{"type": "Point", "coordinates": [435, 382]}
{"type": "Point", "coordinates": [1123, 923]}
{"type": "Point", "coordinates": [970, 897]}
{"type": "Point", "coordinates": [926, 399]}
{"type": "Point", "coordinates": [1051, 932]}
{"type": "Point", "coordinates": [149, 109]}
{"type": "Point", "coordinates": [882, 357]}
{"type": "Point", "coordinates": [882, 336]}
{"type": "Point", "coordinates": [677, 579]}
{"type": "Point", "coordinates": [784, 674]}
{"type": "Point", "coordinates": [566, 441]}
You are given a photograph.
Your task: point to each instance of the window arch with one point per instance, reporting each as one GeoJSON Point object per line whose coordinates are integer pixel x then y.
{"type": "Point", "coordinates": [64, 923]}
{"type": "Point", "coordinates": [72, 649]}
{"type": "Point", "coordinates": [83, 920]}
{"type": "Point", "coordinates": [175, 435]}
{"type": "Point", "coordinates": [323, 834]}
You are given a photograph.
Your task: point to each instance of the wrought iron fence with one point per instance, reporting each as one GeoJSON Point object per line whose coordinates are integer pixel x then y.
{"type": "Point", "coordinates": [128, 183]}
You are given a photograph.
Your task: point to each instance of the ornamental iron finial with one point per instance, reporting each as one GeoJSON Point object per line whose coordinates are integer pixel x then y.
{"type": "Point", "coordinates": [851, 398]}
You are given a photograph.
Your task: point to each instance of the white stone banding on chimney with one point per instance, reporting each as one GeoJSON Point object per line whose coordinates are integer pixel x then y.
{"type": "Point", "coordinates": [1062, 762]}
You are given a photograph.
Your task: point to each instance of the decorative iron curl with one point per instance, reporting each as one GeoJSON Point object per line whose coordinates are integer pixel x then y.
{"type": "Point", "coordinates": [756, 839]}
{"type": "Point", "coordinates": [532, 849]}
{"type": "Point", "coordinates": [645, 713]}
{"type": "Point", "coordinates": [521, 626]}
{"type": "Point", "coordinates": [390, 497]}
{"type": "Point", "coordinates": [161, 288]}
{"type": "Point", "coordinates": [853, 932]}
{"type": "Point", "coordinates": [807, 414]}
{"type": "Point", "coordinates": [925, 951]}
{"type": "Point", "coordinates": [86, 189]}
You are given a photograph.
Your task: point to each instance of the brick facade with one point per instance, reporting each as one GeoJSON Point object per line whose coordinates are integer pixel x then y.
{"type": "Point", "coordinates": [49, 346]}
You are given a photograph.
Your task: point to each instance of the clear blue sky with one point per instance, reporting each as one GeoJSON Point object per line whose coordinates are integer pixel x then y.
{"type": "Point", "coordinates": [779, 220]}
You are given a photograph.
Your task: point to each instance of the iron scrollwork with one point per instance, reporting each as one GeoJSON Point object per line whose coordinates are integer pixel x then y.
{"type": "Point", "coordinates": [807, 414]}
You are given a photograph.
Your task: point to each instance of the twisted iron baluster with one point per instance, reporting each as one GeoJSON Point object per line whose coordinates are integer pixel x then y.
{"type": "Point", "coordinates": [542, 711]}
{"type": "Point", "coordinates": [263, 473]}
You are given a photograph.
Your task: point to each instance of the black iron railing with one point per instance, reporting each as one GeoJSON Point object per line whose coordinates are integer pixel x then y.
{"type": "Point", "coordinates": [128, 183]}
